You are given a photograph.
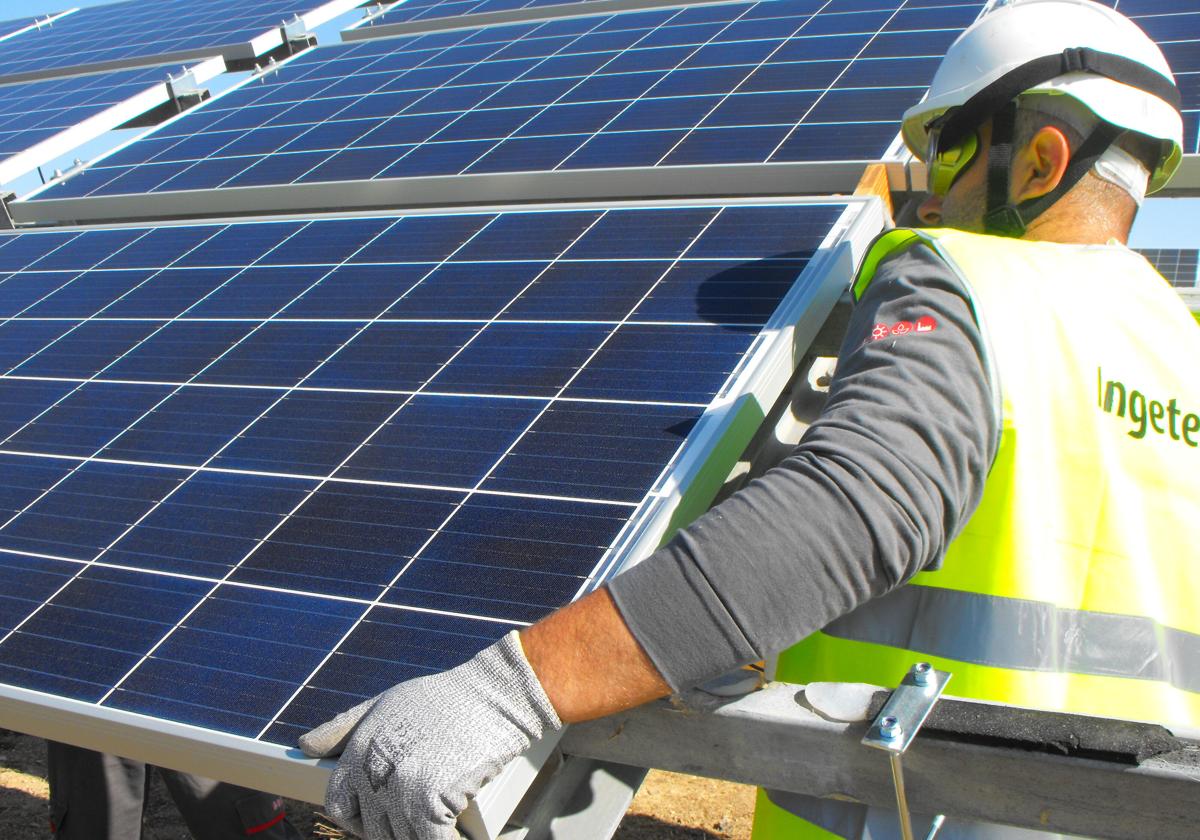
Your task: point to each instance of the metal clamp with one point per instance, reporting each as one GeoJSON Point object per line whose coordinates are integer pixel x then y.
{"type": "Point", "coordinates": [898, 723]}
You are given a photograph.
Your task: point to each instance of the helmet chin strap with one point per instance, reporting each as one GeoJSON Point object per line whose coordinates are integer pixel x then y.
{"type": "Point", "coordinates": [1005, 219]}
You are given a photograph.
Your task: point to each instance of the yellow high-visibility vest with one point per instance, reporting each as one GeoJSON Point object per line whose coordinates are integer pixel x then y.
{"type": "Point", "coordinates": [1075, 586]}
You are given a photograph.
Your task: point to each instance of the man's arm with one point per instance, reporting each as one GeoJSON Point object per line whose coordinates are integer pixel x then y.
{"type": "Point", "coordinates": [873, 494]}
{"type": "Point", "coordinates": [876, 490]}
{"type": "Point", "coordinates": [588, 662]}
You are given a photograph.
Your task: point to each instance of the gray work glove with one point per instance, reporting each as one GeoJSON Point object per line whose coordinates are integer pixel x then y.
{"type": "Point", "coordinates": [413, 757]}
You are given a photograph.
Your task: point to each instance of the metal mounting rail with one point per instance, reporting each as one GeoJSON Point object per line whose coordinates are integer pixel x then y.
{"type": "Point", "coordinates": [977, 761]}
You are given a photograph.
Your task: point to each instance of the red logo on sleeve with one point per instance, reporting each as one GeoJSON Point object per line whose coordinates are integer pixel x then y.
{"type": "Point", "coordinates": [924, 324]}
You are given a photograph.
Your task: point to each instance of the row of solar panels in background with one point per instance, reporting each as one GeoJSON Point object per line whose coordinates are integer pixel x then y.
{"type": "Point", "coordinates": [640, 89]}
{"type": "Point", "coordinates": [41, 121]}
{"type": "Point", "coordinates": [734, 82]}
{"type": "Point", "coordinates": [136, 32]}
{"type": "Point", "coordinates": [430, 10]}
{"type": "Point", "coordinates": [30, 112]}
{"type": "Point", "coordinates": [45, 97]}
{"type": "Point", "coordinates": [1174, 24]}
{"type": "Point", "coordinates": [1178, 265]}
{"type": "Point", "coordinates": [272, 434]}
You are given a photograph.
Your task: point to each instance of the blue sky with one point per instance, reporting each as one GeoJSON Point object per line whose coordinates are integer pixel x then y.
{"type": "Point", "coordinates": [1167, 223]}
{"type": "Point", "coordinates": [1163, 223]}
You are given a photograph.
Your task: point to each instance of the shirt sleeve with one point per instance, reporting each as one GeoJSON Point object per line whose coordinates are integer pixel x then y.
{"type": "Point", "coordinates": [874, 492]}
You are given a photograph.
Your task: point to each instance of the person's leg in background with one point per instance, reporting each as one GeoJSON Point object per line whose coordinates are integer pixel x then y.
{"type": "Point", "coordinates": [94, 796]}
{"type": "Point", "coordinates": [220, 811]}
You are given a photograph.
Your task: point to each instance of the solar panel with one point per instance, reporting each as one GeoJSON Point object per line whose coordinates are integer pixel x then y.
{"type": "Point", "coordinates": [137, 33]}
{"type": "Point", "coordinates": [255, 471]}
{"type": "Point", "coordinates": [730, 83]}
{"type": "Point", "coordinates": [1178, 265]}
{"type": "Point", "coordinates": [39, 121]}
{"type": "Point", "coordinates": [1175, 27]}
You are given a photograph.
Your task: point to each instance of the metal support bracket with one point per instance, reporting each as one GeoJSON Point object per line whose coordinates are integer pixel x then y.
{"type": "Point", "coordinates": [185, 91]}
{"type": "Point", "coordinates": [6, 219]}
{"type": "Point", "coordinates": [295, 35]}
{"type": "Point", "coordinates": [898, 723]}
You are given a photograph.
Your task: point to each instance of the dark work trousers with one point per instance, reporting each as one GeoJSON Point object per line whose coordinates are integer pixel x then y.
{"type": "Point", "coordinates": [95, 796]}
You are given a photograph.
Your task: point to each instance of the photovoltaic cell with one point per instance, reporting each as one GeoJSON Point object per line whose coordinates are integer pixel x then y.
{"type": "Point", "coordinates": [253, 472]}
{"type": "Point", "coordinates": [134, 30]}
{"type": "Point", "coordinates": [31, 112]}
{"type": "Point", "coordinates": [737, 82]}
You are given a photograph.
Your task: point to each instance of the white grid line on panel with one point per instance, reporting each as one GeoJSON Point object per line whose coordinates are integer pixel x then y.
{"type": "Point", "coordinates": [259, 587]}
{"type": "Point", "coordinates": [193, 469]}
{"type": "Point", "coordinates": [320, 389]}
{"type": "Point", "coordinates": [555, 322]}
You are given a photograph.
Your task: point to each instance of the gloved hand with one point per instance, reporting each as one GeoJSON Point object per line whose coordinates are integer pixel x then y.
{"type": "Point", "coordinates": [413, 757]}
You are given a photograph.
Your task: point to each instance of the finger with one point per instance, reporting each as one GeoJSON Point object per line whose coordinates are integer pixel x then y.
{"type": "Point", "coordinates": [377, 824]}
{"type": "Point", "coordinates": [330, 738]}
{"type": "Point", "coordinates": [441, 824]}
{"type": "Point", "coordinates": [341, 802]}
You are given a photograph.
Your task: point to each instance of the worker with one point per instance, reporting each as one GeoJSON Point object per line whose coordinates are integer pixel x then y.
{"type": "Point", "coordinates": [96, 796]}
{"type": "Point", "coordinates": [1004, 480]}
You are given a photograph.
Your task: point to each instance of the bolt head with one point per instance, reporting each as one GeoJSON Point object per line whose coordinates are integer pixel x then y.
{"type": "Point", "coordinates": [890, 728]}
{"type": "Point", "coordinates": [922, 673]}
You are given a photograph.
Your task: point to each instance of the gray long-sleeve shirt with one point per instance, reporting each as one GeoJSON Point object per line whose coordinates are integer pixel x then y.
{"type": "Point", "coordinates": [874, 493]}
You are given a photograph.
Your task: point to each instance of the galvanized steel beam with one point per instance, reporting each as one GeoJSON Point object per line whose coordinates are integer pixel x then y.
{"type": "Point", "coordinates": [978, 761]}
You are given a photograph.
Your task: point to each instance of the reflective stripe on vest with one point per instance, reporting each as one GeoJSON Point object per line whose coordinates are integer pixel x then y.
{"type": "Point", "coordinates": [1074, 585]}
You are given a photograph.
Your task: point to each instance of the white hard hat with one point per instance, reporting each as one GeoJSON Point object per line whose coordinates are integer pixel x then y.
{"type": "Point", "coordinates": [1012, 35]}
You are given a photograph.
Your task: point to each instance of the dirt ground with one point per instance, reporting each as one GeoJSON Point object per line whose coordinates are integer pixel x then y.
{"type": "Point", "coordinates": [668, 807]}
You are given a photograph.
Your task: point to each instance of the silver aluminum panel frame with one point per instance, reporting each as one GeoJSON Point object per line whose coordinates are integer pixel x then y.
{"type": "Point", "coordinates": [449, 191]}
{"type": "Point", "coordinates": [27, 160]}
{"type": "Point", "coordinates": [760, 378]}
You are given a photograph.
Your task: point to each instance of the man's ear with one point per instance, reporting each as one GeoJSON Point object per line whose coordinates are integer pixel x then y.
{"type": "Point", "coordinates": [1039, 167]}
